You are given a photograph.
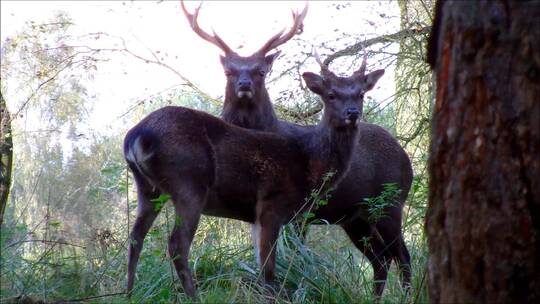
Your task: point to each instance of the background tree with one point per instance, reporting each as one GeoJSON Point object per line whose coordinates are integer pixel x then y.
{"type": "Point", "coordinates": [6, 155]}
{"type": "Point", "coordinates": [483, 219]}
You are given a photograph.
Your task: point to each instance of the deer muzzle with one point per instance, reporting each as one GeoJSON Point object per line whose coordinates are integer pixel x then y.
{"type": "Point", "coordinates": [352, 115]}
{"type": "Point", "coordinates": [244, 94]}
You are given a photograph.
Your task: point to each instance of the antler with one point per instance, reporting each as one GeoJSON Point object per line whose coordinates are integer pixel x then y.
{"type": "Point", "coordinates": [325, 71]}
{"type": "Point", "coordinates": [362, 70]}
{"type": "Point", "coordinates": [278, 39]}
{"type": "Point", "coordinates": [214, 39]}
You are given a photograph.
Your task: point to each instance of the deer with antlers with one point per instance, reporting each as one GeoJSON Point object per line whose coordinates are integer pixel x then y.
{"type": "Point", "coordinates": [378, 158]}
{"type": "Point", "coordinates": [211, 167]}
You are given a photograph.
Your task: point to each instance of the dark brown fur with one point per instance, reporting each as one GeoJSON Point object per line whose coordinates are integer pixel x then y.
{"type": "Point", "coordinates": [211, 167]}
{"type": "Point", "coordinates": [378, 159]}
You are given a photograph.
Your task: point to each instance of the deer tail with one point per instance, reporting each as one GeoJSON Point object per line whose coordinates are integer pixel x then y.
{"type": "Point", "coordinates": [139, 149]}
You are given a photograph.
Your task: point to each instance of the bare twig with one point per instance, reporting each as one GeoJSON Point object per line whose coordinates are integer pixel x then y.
{"type": "Point", "coordinates": [302, 115]}
{"type": "Point", "coordinates": [43, 241]}
{"type": "Point", "coordinates": [95, 297]}
{"type": "Point", "coordinates": [355, 48]}
{"type": "Point", "coordinates": [421, 127]}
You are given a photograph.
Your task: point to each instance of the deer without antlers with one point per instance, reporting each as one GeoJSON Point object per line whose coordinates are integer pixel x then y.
{"type": "Point", "coordinates": [211, 167]}
{"type": "Point", "coordinates": [378, 158]}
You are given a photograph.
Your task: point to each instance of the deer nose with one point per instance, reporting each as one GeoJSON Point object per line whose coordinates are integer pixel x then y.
{"type": "Point", "coordinates": [353, 113]}
{"type": "Point", "coordinates": [244, 84]}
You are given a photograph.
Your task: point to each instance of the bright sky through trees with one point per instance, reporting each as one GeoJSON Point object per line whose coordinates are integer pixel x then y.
{"type": "Point", "coordinates": [161, 27]}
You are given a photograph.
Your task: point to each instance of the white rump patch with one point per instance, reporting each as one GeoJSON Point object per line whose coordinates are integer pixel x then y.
{"type": "Point", "coordinates": [136, 154]}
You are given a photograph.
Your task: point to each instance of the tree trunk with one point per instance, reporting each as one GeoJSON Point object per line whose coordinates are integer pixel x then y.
{"type": "Point", "coordinates": [6, 156]}
{"type": "Point", "coordinates": [483, 218]}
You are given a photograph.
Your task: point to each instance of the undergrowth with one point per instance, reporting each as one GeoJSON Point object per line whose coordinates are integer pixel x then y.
{"type": "Point", "coordinates": [327, 269]}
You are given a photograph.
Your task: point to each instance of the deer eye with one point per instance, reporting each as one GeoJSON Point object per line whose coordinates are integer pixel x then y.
{"type": "Point", "coordinates": [331, 96]}
{"type": "Point", "coordinates": [361, 96]}
{"type": "Point", "coordinates": [262, 72]}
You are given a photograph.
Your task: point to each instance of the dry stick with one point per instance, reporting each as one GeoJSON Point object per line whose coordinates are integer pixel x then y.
{"type": "Point", "coordinates": [94, 297]}
{"type": "Point", "coordinates": [43, 241]}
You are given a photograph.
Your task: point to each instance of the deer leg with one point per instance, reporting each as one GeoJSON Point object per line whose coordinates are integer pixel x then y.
{"type": "Point", "coordinates": [146, 214]}
{"type": "Point", "coordinates": [404, 261]}
{"type": "Point", "coordinates": [390, 231]}
{"type": "Point", "coordinates": [255, 236]}
{"type": "Point", "coordinates": [269, 227]}
{"type": "Point", "coordinates": [373, 248]}
{"type": "Point", "coordinates": [188, 205]}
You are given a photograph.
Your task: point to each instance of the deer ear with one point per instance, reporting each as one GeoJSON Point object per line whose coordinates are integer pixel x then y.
{"type": "Point", "coordinates": [314, 82]}
{"type": "Point", "coordinates": [372, 78]}
{"type": "Point", "coordinates": [269, 59]}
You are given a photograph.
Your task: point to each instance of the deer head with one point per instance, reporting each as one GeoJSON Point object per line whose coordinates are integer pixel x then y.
{"type": "Point", "coordinates": [343, 97]}
{"type": "Point", "coordinates": [246, 75]}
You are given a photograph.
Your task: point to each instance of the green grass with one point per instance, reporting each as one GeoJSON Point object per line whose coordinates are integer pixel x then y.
{"type": "Point", "coordinates": [328, 269]}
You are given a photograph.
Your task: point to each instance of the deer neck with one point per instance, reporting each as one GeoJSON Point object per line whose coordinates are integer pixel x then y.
{"type": "Point", "coordinates": [257, 114]}
{"type": "Point", "coordinates": [331, 150]}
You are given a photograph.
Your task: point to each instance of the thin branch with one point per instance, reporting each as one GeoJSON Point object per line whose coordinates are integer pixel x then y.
{"type": "Point", "coordinates": [96, 297]}
{"type": "Point", "coordinates": [38, 88]}
{"type": "Point", "coordinates": [300, 116]}
{"type": "Point", "coordinates": [141, 101]}
{"type": "Point", "coordinates": [43, 241]}
{"type": "Point", "coordinates": [355, 48]}
{"type": "Point", "coordinates": [415, 133]}
{"type": "Point", "coordinates": [168, 67]}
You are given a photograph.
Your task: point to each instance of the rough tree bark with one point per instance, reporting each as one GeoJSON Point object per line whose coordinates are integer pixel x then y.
{"type": "Point", "coordinates": [6, 156]}
{"type": "Point", "coordinates": [483, 219]}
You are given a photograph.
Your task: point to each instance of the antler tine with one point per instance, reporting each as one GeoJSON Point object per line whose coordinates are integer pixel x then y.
{"type": "Point", "coordinates": [317, 58]}
{"type": "Point", "coordinates": [278, 39]}
{"type": "Point", "coordinates": [364, 63]}
{"type": "Point", "coordinates": [362, 70]}
{"type": "Point", "coordinates": [325, 71]}
{"type": "Point", "coordinates": [194, 24]}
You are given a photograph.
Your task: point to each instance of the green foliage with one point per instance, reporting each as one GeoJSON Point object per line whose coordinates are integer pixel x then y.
{"type": "Point", "coordinates": [377, 206]}
{"type": "Point", "coordinates": [380, 115]}
{"type": "Point", "coordinates": [46, 74]}
{"type": "Point", "coordinates": [318, 197]}
{"type": "Point", "coordinates": [81, 200]}
{"type": "Point", "coordinates": [327, 269]}
{"type": "Point", "coordinates": [160, 201]}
